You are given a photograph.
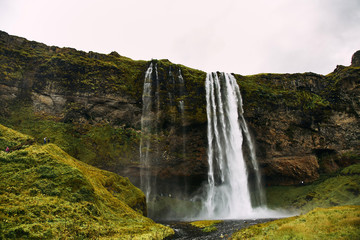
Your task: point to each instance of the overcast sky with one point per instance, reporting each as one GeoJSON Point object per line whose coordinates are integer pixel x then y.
{"type": "Point", "coordinates": [245, 37]}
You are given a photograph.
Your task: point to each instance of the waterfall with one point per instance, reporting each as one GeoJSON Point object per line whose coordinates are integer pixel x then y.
{"type": "Point", "coordinates": [182, 111]}
{"type": "Point", "coordinates": [146, 124]}
{"type": "Point", "coordinates": [227, 191]}
{"type": "Point", "coordinates": [149, 128]}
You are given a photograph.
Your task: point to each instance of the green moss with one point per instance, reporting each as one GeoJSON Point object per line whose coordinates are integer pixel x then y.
{"type": "Point", "coordinates": [101, 145]}
{"type": "Point", "coordinates": [206, 225]}
{"type": "Point", "coordinates": [332, 223]}
{"type": "Point", "coordinates": [13, 139]}
{"type": "Point", "coordinates": [340, 189]}
{"type": "Point", "coordinates": [45, 193]}
{"type": "Point", "coordinates": [352, 170]}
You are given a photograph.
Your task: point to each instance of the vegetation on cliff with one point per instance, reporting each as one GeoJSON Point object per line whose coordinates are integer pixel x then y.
{"type": "Point", "coordinates": [114, 146]}
{"type": "Point", "coordinates": [69, 69]}
{"type": "Point", "coordinates": [45, 193]}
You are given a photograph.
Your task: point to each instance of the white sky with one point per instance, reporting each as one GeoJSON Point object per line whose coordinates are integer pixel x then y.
{"type": "Point", "coordinates": [245, 37]}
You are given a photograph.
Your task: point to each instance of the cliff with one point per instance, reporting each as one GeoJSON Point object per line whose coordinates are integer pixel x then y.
{"type": "Point", "coordinates": [90, 104]}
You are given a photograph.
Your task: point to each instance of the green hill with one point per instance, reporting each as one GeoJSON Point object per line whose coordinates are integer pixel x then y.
{"type": "Point", "coordinates": [340, 188]}
{"type": "Point", "coordinates": [331, 223]}
{"type": "Point", "coordinates": [47, 194]}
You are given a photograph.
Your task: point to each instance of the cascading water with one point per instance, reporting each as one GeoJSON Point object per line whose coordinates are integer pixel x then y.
{"type": "Point", "coordinates": [146, 125]}
{"type": "Point", "coordinates": [149, 128]}
{"type": "Point", "coordinates": [227, 191]}
{"type": "Point", "coordinates": [182, 110]}
{"type": "Point", "coordinates": [151, 149]}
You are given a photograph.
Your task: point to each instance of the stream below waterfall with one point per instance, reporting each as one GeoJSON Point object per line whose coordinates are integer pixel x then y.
{"type": "Point", "coordinates": [184, 230]}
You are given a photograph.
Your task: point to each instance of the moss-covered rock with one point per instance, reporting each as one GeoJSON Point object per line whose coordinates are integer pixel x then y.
{"type": "Point", "coordinates": [206, 225]}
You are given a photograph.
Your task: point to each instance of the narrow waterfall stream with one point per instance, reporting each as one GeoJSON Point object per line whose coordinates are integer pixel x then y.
{"type": "Point", "coordinates": [182, 111]}
{"type": "Point", "coordinates": [149, 129]}
{"type": "Point", "coordinates": [150, 150]}
{"type": "Point", "coordinates": [146, 129]}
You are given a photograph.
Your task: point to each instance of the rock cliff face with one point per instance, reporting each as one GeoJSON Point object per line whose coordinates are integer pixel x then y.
{"type": "Point", "coordinates": [306, 122]}
{"type": "Point", "coordinates": [303, 124]}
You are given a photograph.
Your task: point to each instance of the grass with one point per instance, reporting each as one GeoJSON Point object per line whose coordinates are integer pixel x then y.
{"type": "Point", "coordinates": [343, 188]}
{"type": "Point", "coordinates": [47, 194]}
{"type": "Point", "coordinates": [206, 225]}
{"type": "Point", "coordinates": [342, 222]}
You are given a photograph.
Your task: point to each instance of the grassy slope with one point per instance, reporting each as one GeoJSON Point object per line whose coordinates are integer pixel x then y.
{"type": "Point", "coordinates": [343, 188]}
{"type": "Point", "coordinates": [45, 193]}
{"type": "Point", "coordinates": [330, 223]}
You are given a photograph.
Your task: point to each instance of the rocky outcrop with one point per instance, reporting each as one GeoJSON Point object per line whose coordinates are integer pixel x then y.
{"type": "Point", "coordinates": [291, 170]}
{"type": "Point", "coordinates": [303, 124]}
{"type": "Point", "coordinates": [355, 60]}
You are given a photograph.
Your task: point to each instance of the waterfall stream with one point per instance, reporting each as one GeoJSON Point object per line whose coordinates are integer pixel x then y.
{"type": "Point", "coordinates": [149, 129]}
{"type": "Point", "coordinates": [227, 191]}
{"type": "Point", "coordinates": [182, 111]}
{"type": "Point", "coordinates": [146, 128]}
{"type": "Point", "coordinates": [151, 150]}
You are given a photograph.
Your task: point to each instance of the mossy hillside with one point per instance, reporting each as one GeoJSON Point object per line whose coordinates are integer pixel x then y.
{"type": "Point", "coordinates": [45, 193]}
{"type": "Point", "coordinates": [13, 139]}
{"type": "Point", "coordinates": [101, 145]}
{"type": "Point", "coordinates": [340, 188]}
{"type": "Point", "coordinates": [321, 223]}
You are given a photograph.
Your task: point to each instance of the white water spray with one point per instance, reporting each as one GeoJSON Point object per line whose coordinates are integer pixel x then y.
{"type": "Point", "coordinates": [227, 193]}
